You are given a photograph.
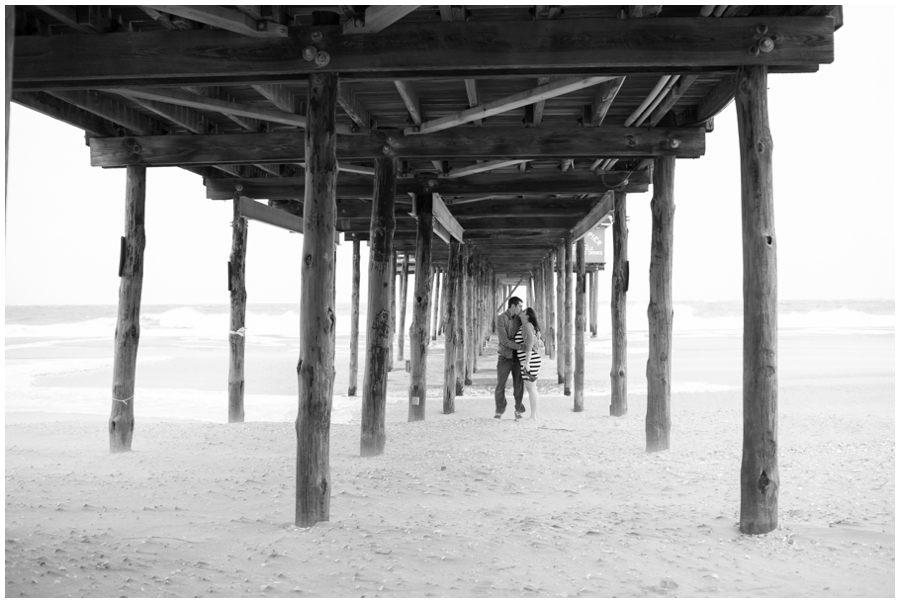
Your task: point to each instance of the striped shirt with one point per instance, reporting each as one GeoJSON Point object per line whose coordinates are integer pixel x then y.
{"type": "Point", "coordinates": [534, 363]}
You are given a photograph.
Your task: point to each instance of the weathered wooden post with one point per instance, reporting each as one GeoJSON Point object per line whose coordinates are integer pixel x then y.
{"type": "Point", "coordinates": [401, 331]}
{"type": "Point", "coordinates": [561, 313]}
{"type": "Point", "coordinates": [315, 371]}
{"type": "Point", "coordinates": [461, 337]}
{"type": "Point", "coordinates": [550, 320]}
{"type": "Point", "coordinates": [759, 466]}
{"type": "Point", "coordinates": [570, 314]}
{"type": "Point", "coordinates": [238, 298]}
{"type": "Point", "coordinates": [595, 301]}
{"type": "Point", "coordinates": [437, 303]}
{"type": "Point", "coordinates": [382, 267]}
{"type": "Point", "coordinates": [393, 322]}
{"type": "Point", "coordinates": [659, 312]}
{"type": "Point", "coordinates": [469, 301]}
{"type": "Point", "coordinates": [418, 332]}
{"type": "Point", "coordinates": [128, 319]}
{"type": "Point", "coordinates": [450, 318]}
{"type": "Point", "coordinates": [618, 374]}
{"type": "Point", "coordinates": [580, 294]}
{"type": "Point", "coordinates": [10, 53]}
{"type": "Point", "coordinates": [354, 322]}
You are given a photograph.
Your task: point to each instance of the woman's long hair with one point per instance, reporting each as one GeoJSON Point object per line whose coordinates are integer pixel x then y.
{"type": "Point", "coordinates": [532, 318]}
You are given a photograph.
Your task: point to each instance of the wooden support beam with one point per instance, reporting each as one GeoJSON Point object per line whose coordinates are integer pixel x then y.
{"type": "Point", "coordinates": [482, 143]}
{"type": "Point", "coordinates": [472, 94]}
{"type": "Point", "coordinates": [445, 219]}
{"type": "Point", "coordinates": [595, 290]}
{"type": "Point", "coordinates": [128, 323]}
{"type": "Point", "coordinates": [550, 320]}
{"type": "Point", "coordinates": [469, 301]}
{"type": "Point", "coordinates": [462, 318]}
{"type": "Point", "coordinates": [355, 109]}
{"type": "Point", "coordinates": [660, 310]}
{"type": "Point", "coordinates": [603, 207]}
{"type": "Point", "coordinates": [760, 481]}
{"type": "Point", "coordinates": [410, 100]}
{"type": "Point", "coordinates": [354, 322]}
{"type": "Point", "coordinates": [404, 282]}
{"type": "Point", "coordinates": [227, 19]}
{"type": "Point", "coordinates": [451, 317]}
{"type": "Point", "coordinates": [66, 112]}
{"type": "Point", "coordinates": [315, 370]}
{"type": "Point", "coordinates": [10, 51]}
{"type": "Point", "coordinates": [618, 374]}
{"type": "Point", "coordinates": [486, 166]}
{"type": "Point", "coordinates": [250, 124]}
{"type": "Point", "coordinates": [561, 313]}
{"type": "Point", "coordinates": [418, 333]}
{"type": "Point", "coordinates": [508, 103]}
{"type": "Point", "coordinates": [393, 314]}
{"type": "Point", "coordinates": [436, 305]}
{"type": "Point", "coordinates": [107, 108]}
{"type": "Point", "coordinates": [378, 327]}
{"type": "Point", "coordinates": [569, 318]}
{"type": "Point", "coordinates": [269, 215]}
{"type": "Point", "coordinates": [535, 113]}
{"type": "Point", "coordinates": [603, 100]}
{"type": "Point", "coordinates": [238, 311]}
{"type": "Point", "coordinates": [684, 82]}
{"type": "Point", "coordinates": [171, 22]}
{"type": "Point", "coordinates": [711, 105]}
{"type": "Point", "coordinates": [377, 18]}
{"type": "Point", "coordinates": [565, 47]}
{"type": "Point", "coordinates": [281, 97]}
{"type": "Point", "coordinates": [85, 19]}
{"type": "Point", "coordinates": [580, 292]}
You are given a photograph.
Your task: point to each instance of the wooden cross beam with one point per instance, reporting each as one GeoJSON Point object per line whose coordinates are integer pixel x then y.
{"type": "Point", "coordinates": [441, 49]}
{"type": "Point", "coordinates": [484, 143]}
{"type": "Point", "coordinates": [377, 18]}
{"type": "Point", "coordinates": [271, 216]}
{"type": "Point", "coordinates": [603, 207]}
{"type": "Point", "coordinates": [227, 19]}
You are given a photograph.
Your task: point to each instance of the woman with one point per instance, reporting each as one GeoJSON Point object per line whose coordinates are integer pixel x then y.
{"type": "Point", "coordinates": [529, 356]}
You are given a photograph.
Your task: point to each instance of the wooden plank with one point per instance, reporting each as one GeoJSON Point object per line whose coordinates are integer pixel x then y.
{"type": "Point", "coordinates": [378, 329]}
{"type": "Point", "coordinates": [760, 480]}
{"type": "Point", "coordinates": [183, 116]}
{"type": "Point", "coordinates": [483, 143]}
{"type": "Point", "coordinates": [418, 332]}
{"type": "Point", "coordinates": [436, 305]}
{"type": "Point", "coordinates": [660, 310]}
{"type": "Point", "coordinates": [378, 18]}
{"type": "Point", "coordinates": [569, 316]}
{"type": "Point", "coordinates": [550, 319]}
{"type": "Point", "coordinates": [251, 124]}
{"type": "Point", "coordinates": [469, 300]}
{"type": "Point", "coordinates": [603, 100]}
{"type": "Point", "coordinates": [227, 19]}
{"type": "Point", "coordinates": [401, 314]}
{"type": "Point", "coordinates": [237, 291]}
{"type": "Point", "coordinates": [593, 302]}
{"type": "Point", "coordinates": [269, 215]}
{"type": "Point", "coordinates": [486, 166]}
{"type": "Point", "coordinates": [618, 373]}
{"type": "Point", "coordinates": [451, 317]}
{"type": "Point", "coordinates": [410, 99]}
{"type": "Point", "coordinates": [170, 22]}
{"type": "Point", "coordinates": [711, 105]}
{"type": "Point", "coordinates": [107, 108]}
{"type": "Point", "coordinates": [580, 291]}
{"type": "Point", "coordinates": [684, 82]}
{"type": "Point", "coordinates": [360, 187]}
{"type": "Point", "coordinates": [508, 103]}
{"type": "Point", "coordinates": [560, 313]}
{"type": "Point", "coordinates": [280, 96]}
{"type": "Point", "coordinates": [58, 109]}
{"type": "Point", "coordinates": [128, 324]}
{"type": "Point", "coordinates": [354, 108]}
{"type": "Point", "coordinates": [354, 322]}
{"type": "Point", "coordinates": [442, 49]}
{"type": "Point", "coordinates": [462, 320]}
{"type": "Point", "coordinates": [315, 370]}
{"type": "Point", "coordinates": [443, 217]}
{"type": "Point", "coordinates": [603, 207]}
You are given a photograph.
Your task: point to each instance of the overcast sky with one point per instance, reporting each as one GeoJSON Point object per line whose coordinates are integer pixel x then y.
{"type": "Point", "coordinates": [835, 197]}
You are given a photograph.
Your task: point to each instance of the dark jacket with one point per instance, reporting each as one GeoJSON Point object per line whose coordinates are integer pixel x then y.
{"type": "Point", "coordinates": [507, 327]}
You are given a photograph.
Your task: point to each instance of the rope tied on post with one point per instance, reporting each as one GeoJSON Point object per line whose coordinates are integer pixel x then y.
{"type": "Point", "coordinates": [125, 401]}
{"type": "Point", "coordinates": [240, 332]}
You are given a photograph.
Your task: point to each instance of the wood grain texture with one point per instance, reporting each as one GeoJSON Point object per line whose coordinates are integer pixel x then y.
{"type": "Point", "coordinates": [128, 323]}
{"type": "Point", "coordinates": [658, 422]}
{"type": "Point", "coordinates": [569, 316]}
{"type": "Point", "coordinates": [401, 309]}
{"type": "Point", "coordinates": [593, 307]}
{"type": "Point", "coordinates": [462, 319]}
{"type": "Point", "coordinates": [760, 481]}
{"type": "Point", "coordinates": [451, 317]}
{"type": "Point", "coordinates": [469, 300]}
{"type": "Point", "coordinates": [618, 374]}
{"type": "Point", "coordinates": [378, 328]}
{"type": "Point", "coordinates": [315, 370]}
{"type": "Point", "coordinates": [580, 295]}
{"type": "Point", "coordinates": [550, 317]}
{"type": "Point", "coordinates": [238, 312]}
{"type": "Point", "coordinates": [354, 322]}
{"type": "Point", "coordinates": [419, 329]}
{"type": "Point", "coordinates": [406, 50]}
{"type": "Point", "coordinates": [436, 304]}
{"type": "Point", "coordinates": [561, 312]}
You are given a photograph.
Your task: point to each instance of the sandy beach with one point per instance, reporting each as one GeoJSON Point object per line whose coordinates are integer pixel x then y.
{"type": "Point", "coordinates": [461, 504]}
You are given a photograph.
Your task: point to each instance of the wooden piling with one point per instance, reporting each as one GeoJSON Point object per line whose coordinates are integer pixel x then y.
{"type": "Point", "coordinates": [436, 305]}
{"type": "Point", "coordinates": [401, 314]}
{"type": "Point", "coordinates": [238, 298]}
{"type": "Point", "coordinates": [315, 370]}
{"type": "Point", "coordinates": [393, 302]}
{"type": "Point", "coordinates": [10, 52]}
{"type": "Point", "coordinates": [461, 338]}
{"type": "Point", "coordinates": [418, 332]}
{"type": "Point", "coordinates": [570, 315]}
{"type": "Point", "coordinates": [561, 313]}
{"type": "Point", "coordinates": [550, 320]}
{"type": "Point", "coordinates": [580, 302]}
{"type": "Point", "coordinates": [354, 322]}
{"type": "Point", "coordinates": [759, 466]}
{"type": "Point", "coordinates": [382, 268]}
{"type": "Point", "coordinates": [618, 374]}
{"type": "Point", "coordinates": [450, 318]}
{"type": "Point", "coordinates": [595, 301]}
{"type": "Point", "coordinates": [128, 324]}
{"type": "Point", "coordinates": [659, 312]}
{"type": "Point", "coordinates": [470, 315]}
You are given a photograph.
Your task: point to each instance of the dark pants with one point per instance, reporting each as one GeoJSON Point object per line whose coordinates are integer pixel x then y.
{"type": "Point", "coordinates": [504, 367]}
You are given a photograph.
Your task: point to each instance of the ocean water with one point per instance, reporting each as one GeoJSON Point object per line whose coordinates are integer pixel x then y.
{"type": "Point", "coordinates": [59, 358]}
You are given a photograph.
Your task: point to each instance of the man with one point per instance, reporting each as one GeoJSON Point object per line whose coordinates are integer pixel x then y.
{"type": "Point", "coordinates": [508, 325]}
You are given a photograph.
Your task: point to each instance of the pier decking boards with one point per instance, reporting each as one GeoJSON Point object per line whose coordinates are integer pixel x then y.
{"type": "Point", "coordinates": [507, 131]}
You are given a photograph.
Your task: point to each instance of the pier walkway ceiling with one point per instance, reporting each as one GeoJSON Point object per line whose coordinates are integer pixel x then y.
{"type": "Point", "coordinates": [522, 119]}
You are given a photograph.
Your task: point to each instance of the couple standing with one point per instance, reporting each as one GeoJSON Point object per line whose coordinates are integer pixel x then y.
{"type": "Point", "coordinates": [519, 340]}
